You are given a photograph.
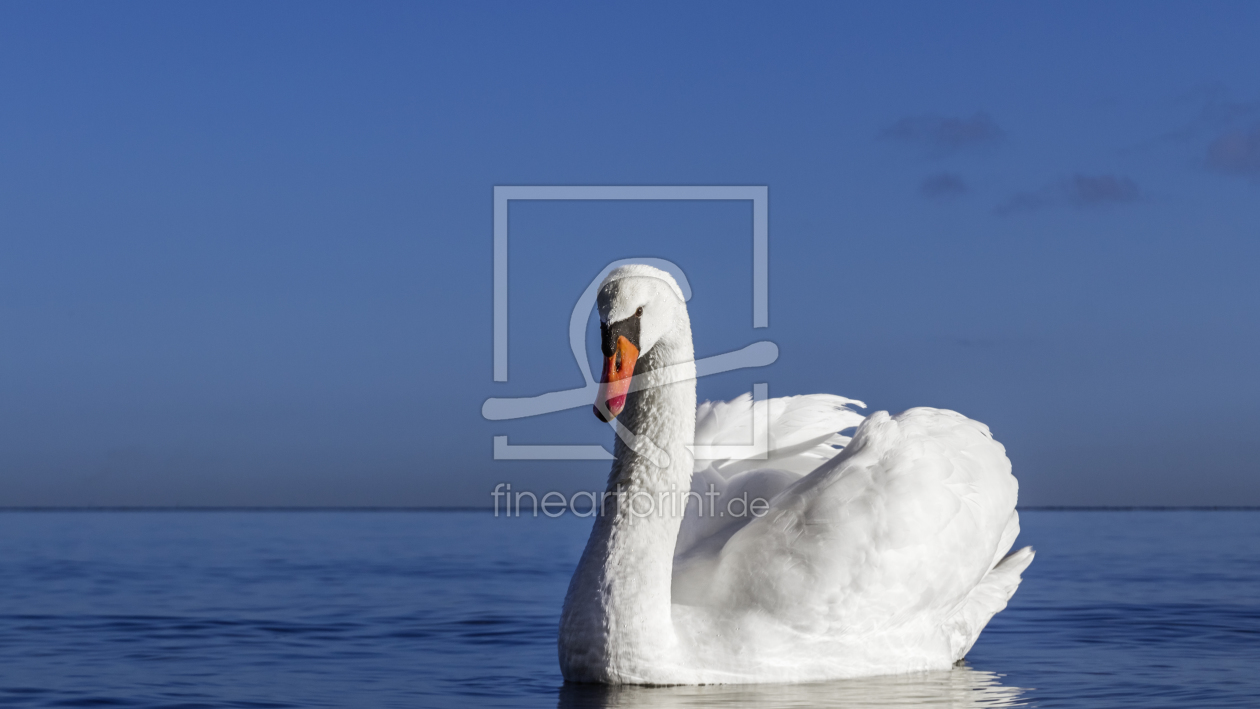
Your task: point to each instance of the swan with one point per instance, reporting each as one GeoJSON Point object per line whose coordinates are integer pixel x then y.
{"type": "Point", "coordinates": [880, 553]}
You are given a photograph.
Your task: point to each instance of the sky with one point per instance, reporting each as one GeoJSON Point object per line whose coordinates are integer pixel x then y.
{"type": "Point", "coordinates": [246, 249]}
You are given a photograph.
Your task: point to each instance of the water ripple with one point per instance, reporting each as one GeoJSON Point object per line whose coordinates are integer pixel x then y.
{"type": "Point", "coordinates": [271, 610]}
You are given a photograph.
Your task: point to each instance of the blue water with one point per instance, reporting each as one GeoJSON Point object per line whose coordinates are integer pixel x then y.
{"type": "Point", "coordinates": [456, 609]}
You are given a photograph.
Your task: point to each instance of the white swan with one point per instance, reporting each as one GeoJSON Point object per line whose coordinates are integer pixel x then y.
{"type": "Point", "coordinates": [885, 557]}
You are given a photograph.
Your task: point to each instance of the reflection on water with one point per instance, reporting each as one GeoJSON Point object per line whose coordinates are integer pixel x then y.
{"type": "Point", "coordinates": [960, 687]}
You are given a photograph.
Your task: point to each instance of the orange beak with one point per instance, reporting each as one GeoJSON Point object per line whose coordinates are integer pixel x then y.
{"type": "Point", "coordinates": [614, 385]}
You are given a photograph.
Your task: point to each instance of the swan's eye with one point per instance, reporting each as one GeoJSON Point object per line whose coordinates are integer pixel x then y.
{"type": "Point", "coordinates": [639, 313]}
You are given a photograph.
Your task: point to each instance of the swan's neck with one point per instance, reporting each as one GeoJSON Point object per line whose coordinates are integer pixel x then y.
{"type": "Point", "coordinates": [617, 613]}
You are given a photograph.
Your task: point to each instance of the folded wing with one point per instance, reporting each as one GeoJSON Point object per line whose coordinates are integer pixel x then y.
{"type": "Point", "coordinates": [903, 526]}
{"type": "Point", "coordinates": [747, 451]}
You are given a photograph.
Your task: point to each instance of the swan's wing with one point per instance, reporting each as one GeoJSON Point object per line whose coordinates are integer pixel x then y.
{"type": "Point", "coordinates": [985, 600]}
{"type": "Point", "coordinates": [803, 432]}
{"type": "Point", "coordinates": [900, 527]}
{"type": "Point", "coordinates": [798, 434]}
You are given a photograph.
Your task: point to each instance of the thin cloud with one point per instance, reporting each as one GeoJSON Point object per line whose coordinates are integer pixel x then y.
{"type": "Point", "coordinates": [1214, 110]}
{"type": "Point", "coordinates": [1080, 191]}
{"type": "Point", "coordinates": [1237, 152]}
{"type": "Point", "coordinates": [941, 134]}
{"type": "Point", "coordinates": [1024, 202]}
{"type": "Point", "coordinates": [945, 185]}
{"type": "Point", "coordinates": [1086, 191]}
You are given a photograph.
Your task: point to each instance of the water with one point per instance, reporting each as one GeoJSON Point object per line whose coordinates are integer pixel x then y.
{"type": "Point", "coordinates": [447, 609]}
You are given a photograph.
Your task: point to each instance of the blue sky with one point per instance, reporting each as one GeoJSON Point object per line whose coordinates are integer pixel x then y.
{"type": "Point", "coordinates": [246, 249]}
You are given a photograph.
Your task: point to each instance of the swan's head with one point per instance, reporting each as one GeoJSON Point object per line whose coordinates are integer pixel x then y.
{"type": "Point", "coordinates": [638, 306]}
